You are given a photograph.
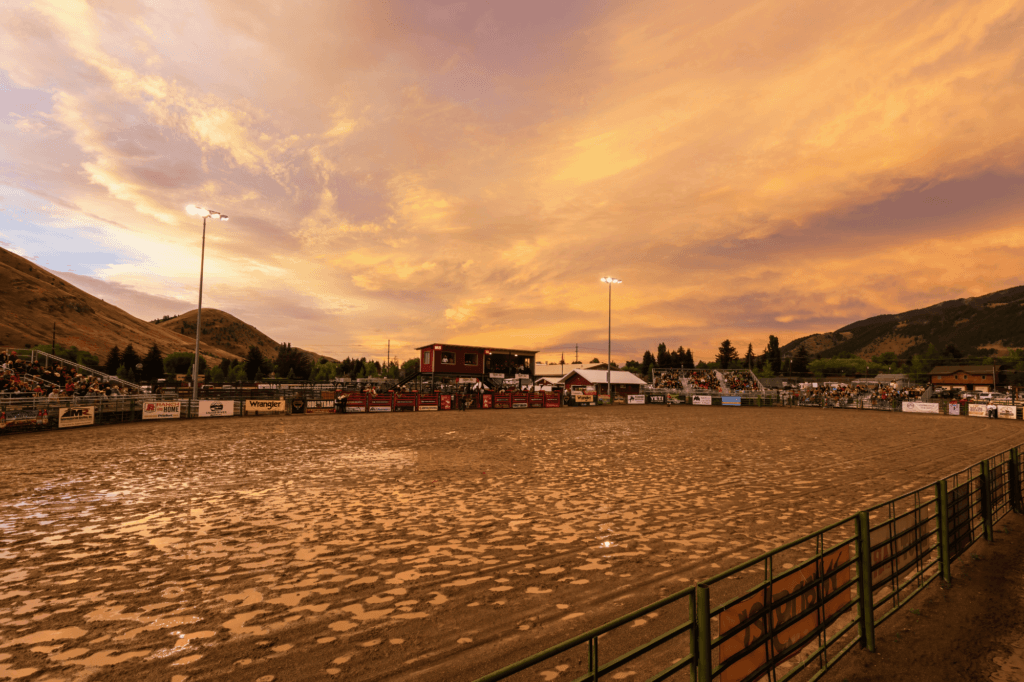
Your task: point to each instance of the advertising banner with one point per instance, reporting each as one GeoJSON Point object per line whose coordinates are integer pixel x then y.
{"type": "Point", "coordinates": [975, 410]}
{"type": "Point", "coordinates": [493, 375]}
{"type": "Point", "coordinates": [923, 408]}
{"type": "Point", "coordinates": [772, 603]}
{"type": "Point", "coordinates": [635, 399]}
{"type": "Point", "coordinates": [486, 401]}
{"type": "Point", "coordinates": [701, 400]}
{"type": "Point", "coordinates": [522, 376]}
{"type": "Point", "coordinates": [953, 409]}
{"type": "Point", "coordinates": [165, 410]}
{"type": "Point", "coordinates": [297, 405]}
{"type": "Point", "coordinates": [1007, 411]}
{"type": "Point", "coordinates": [733, 400]}
{"type": "Point", "coordinates": [320, 407]}
{"type": "Point", "coordinates": [216, 408]}
{"type": "Point", "coordinates": [444, 402]}
{"type": "Point", "coordinates": [468, 380]}
{"type": "Point", "coordinates": [380, 404]}
{"type": "Point", "coordinates": [656, 399]}
{"type": "Point", "coordinates": [520, 400]}
{"type": "Point", "coordinates": [15, 418]}
{"type": "Point", "coordinates": [265, 406]}
{"type": "Point", "coordinates": [76, 416]}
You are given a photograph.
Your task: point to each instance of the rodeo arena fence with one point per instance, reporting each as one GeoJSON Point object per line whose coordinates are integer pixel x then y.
{"type": "Point", "coordinates": [790, 613]}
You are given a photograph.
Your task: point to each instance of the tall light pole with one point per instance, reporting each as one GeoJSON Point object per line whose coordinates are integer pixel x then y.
{"type": "Point", "coordinates": [610, 281]}
{"type": "Point", "coordinates": [192, 209]}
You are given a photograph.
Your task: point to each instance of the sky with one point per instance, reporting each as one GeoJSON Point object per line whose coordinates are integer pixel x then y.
{"type": "Point", "coordinates": [466, 172]}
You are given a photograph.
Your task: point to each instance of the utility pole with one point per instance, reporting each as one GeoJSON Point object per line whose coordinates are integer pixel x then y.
{"type": "Point", "coordinates": [387, 370]}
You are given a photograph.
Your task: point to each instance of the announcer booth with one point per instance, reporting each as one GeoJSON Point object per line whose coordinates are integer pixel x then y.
{"type": "Point", "coordinates": [493, 366]}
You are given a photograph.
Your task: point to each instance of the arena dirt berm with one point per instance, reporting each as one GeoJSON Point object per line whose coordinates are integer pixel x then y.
{"type": "Point", "coordinates": [428, 546]}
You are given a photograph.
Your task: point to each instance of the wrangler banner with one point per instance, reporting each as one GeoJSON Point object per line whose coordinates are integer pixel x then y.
{"type": "Point", "coordinates": [76, 416]}
{"type": "Point", "coordinates": [165, 410]}
{"type": "Point", "coordinates": [216, 408]}
{"type": "Point", "coordinates": [820, 577]}
{"type": "Point", "coordinates": [265, 406]}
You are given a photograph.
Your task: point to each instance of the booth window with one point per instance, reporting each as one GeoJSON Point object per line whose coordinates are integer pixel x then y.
{"type": "Point", "coordinates": [471, 359]}
{"type": "Point", "coordinates": [447, 358]}
{"type": "Point", "coordinates": [426, 357]}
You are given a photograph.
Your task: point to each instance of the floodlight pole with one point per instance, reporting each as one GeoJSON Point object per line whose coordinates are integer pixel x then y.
{"type": "Point", "coordinates": [610, 281]}
{"type": "Point", "coordinates": [199, 315]}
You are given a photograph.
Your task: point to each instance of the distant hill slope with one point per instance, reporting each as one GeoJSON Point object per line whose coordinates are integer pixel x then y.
{"type": "Point", "coordinates": [991, 321]}
{"type": "Point", "coordinates": [226, 331]}
{"type": "Point", "coordinates": [32, 300]}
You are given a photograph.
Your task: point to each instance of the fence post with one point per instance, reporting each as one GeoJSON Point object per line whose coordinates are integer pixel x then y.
{"type": "Point", "coordinates": [594, 666]}
{"type": "Point", "coordinates": [1015, 487]}
{"type": "Point", "coordinates": [942, 497]}
{"type": "Point", "coordinates": [703, 623]}
{"type": "Point", "coordinates": [865, 602]}
{"type": "Point", "coordinates": [986, 501]}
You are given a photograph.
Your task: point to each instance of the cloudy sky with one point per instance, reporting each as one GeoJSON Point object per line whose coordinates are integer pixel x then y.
{"type": "Point", "coordinates": [427, 171]}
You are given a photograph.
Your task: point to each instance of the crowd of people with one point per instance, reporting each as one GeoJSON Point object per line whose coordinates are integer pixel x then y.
{"type": "Point", "coordinates": [741, 380]}
{"type": "Point", "coordinates": [703, 380]}
{"type": "Point", "coordinates": [669, 379]}
{"type": "Point", "coordinates": [841, 395]}
{"type": "Point", "coordinates": [23, 377]}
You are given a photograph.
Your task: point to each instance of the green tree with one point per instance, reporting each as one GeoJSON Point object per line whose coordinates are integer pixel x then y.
{"type": "Point", "coordinates": [130, 358]}
{"type": "Point", "coordinates": [799, 363]}
{"type": "Point", "coordinates": [292, 362]}
{"type": "Point", "coordinates": [748, 359]}
{"type": "Point", "coordinates": [217, 375]}
{"type": "Point", "coordinates": [409, 367]}
{"type": "Point", "coordinates": [253, 362]}
{"type": "Point", "coordinates": [664, 358]}
{"type": "Point", "coordinates": [838, 366]}
{"type": "Point", "coordinates": [727, 355]}
{"type": "Point", "coordinates": [952, 352]}
{"type": "Point", "coordinates": [153, 364]}
{"type": "Point", "coordinates": [773, 354]}
{"type": "Point", "coordinates": [688, 359]}
{"type": "Point", "coordinates": [238, 373]}
{"type": "Point", "coordinates": [113, 361]}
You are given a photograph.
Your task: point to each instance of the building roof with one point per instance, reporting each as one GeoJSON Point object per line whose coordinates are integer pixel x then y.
{"type": "Point", "coordinates": [970, 369]}
{"type": "Point", "coordinates": [490, 348]}
{"type": "Point", "coordinates": [600, 376]}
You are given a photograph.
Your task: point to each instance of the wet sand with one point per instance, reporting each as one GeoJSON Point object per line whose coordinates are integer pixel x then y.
{"type": "Point", "coordinates": [428, 546]}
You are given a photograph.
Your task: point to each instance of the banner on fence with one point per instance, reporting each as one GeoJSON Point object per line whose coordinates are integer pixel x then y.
{"type": "Point", "coordinates": [1007, 411]}
{"type": "Point", "coordinates": [635, 399]}
{"type": "Point", "coordinates": [976, 410]}
{"type": "Point", "coordinates": [165, 410]}
{"type": "Point", "coordinates": [733, 400]}
{"type": "Point", "coordinates": [701, 400]}
{"type": "Point", "coordinates": [298, 405]}
{"type": "Point", "coordinates": [216, 408]}
{"type": "Point", "coordinates": [784, 644]}
{"type": "Point", "coordinates": [76, 416]}
{"type": "Point", "coordinates": [265, 406]}
{"type": "Point", "coordinates": [953, 409]}
{"type": "Point", "coordinates": [909, 546]}
{"type": "Point", "coordinates": [926, 408]}
{"type": "Point", "coordinates": [657, 399]}
{"type": "Point", "coordinates": [320, 407]}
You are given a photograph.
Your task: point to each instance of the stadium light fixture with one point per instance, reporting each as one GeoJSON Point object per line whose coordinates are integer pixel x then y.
{"type": "Point", "coordinates": [194, 210]}
{"type": "Point", "coordinates": [610, 281]}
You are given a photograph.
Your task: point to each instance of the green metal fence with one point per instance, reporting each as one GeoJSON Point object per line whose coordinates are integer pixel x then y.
{"type": "Point", "coordinates": [796, 610]}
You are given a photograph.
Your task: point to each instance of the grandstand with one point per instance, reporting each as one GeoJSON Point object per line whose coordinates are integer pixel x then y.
{"type": "Point", "coordinates": [707, 381]}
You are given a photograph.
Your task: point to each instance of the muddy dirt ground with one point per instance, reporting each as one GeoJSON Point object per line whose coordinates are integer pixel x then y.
{"type": "Point", "coordinates": [427, 546]}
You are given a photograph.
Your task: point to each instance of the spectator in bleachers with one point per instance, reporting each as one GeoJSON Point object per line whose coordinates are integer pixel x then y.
{"type": "Point", "coordinates": [703, 380]}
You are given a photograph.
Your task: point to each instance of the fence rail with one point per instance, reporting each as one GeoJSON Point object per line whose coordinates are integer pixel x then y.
{"type": "Point", "coordinates": [799, 608]}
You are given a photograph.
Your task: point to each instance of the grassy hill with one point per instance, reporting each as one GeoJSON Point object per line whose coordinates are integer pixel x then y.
{"type": "Point", "coordinates": [976, 326]}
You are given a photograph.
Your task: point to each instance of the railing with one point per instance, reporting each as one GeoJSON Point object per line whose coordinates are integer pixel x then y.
{"type": "Point", "coordinates": [83, 369]}
{"type": "Point", "coordinates": [801, 607]}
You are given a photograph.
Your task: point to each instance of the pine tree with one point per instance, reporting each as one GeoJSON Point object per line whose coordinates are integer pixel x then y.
{"type": "Point", "coordinates": [113, 361]}
{"type": "Point", "coordinates": [799, 363]}
{"type": "Point", "coordinates": [153, 364]}
{"type": "Point", "coordinates": [688, 360]}
{"type": "Point", "coordinates": [748, 359]}
{"type": "Point", "coordinates": [130, 358]}
{"type": "Point", "coordinates": [253, 362]}
{"type": "Point", "coordinates": [727, 355]}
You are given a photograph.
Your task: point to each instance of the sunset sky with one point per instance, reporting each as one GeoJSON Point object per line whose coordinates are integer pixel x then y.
{"type": "Point", "coordinates": [466, 172]}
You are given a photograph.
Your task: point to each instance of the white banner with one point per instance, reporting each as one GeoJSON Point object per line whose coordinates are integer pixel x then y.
{"type": "Point", "coordinates": [76, 416]}
{"type": "Point", "coordinates": [1007, 411]}
{"type": "Point", "coordinates": [701, 400]}
{"type": "Point", "coordinates": [635, 399]}
{"type": "Point", "coordinates": [953, 409]}
{"type": "Point", "coordinates": [166, 410]}
{"type": "Point", "coordinates": [265, 406]}
{"type": "Point", "coordinates": [926, 408]}
{"type": "Point", "coordinates": [976, 410]}
{"type": "Point", "coordinates": [216, 408]}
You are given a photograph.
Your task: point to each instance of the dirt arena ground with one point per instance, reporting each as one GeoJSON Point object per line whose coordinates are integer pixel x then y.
{"type": "Point", "coordinates": [427, 546]}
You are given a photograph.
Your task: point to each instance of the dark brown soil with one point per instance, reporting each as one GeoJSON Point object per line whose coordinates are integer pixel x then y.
{"type": "Point", "coordinates": [426, 546]}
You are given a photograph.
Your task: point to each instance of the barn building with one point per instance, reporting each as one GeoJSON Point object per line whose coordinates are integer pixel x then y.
{"type": "Point", "coordinates": [965, 377]}
{"type": "Point", "coordinates": [623, 383]}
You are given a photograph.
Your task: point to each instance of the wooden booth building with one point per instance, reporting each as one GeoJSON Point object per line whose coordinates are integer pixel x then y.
{"type": "Point", "coordinates": [492, 366]}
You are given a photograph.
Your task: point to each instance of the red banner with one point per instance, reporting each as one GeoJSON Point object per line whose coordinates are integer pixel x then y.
{"type": "Point", "coordinates": [445, 402]}
{"type": "Point", "coordinates": [486, 401]}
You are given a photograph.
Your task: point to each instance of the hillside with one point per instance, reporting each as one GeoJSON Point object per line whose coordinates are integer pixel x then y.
{"type": "Point", "coordinates": [33, 300]}
{"type": "Point", "coordinates": [993, 321]}
{"type": "Point", "coordinates": [227, 332]}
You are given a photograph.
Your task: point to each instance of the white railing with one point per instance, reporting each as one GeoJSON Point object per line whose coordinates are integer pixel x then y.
{"type": "Point", "coordinates": [83, 369]}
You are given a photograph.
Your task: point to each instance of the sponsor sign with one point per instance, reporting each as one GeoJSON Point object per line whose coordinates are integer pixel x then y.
{"type": "Point", "coordinates": [1007, 411]}
{"type": "Point", "coordinates": [701, 400]}
{"type": "Point", "coordinates": [660, 399]}
{"type": "Point", "coordinates": [265, 406]}
{"type": "Point", "coordinates": [76, 416]}
{"type": "Point", "coordinates": [468, 380]}
{"type": "Point", "coordinates": [445, 402]}
{"type": "Point", "coordinates": [427, 408]}
{"type": "Point", "coordinates": [496, 376]}
{"type": "Point", "coordinates": [975, 410]}
{"type": "Point", "coordinates": [924, 408]}
{"type": "Point", "coordinates": [635, 399]}
{"type": "Point", "coordinates": [320, 407]}
{"type": "Point", "coordinates": [216, 408]}
{"type": "Point", "coordinates": [909, 546]}
{"type": "Point", "coordinates": [733, 400]}
{"type": "Point", "coordinates": [298, 405]}
{"type": "Point", "coordinates": [953, 409]}
{"type": "Point", "coordinates": [522, 376]}
{"type": "Point", "coordinates": [166, 410]}
{"type": "Point", "coordinates": [355, 408]}
{"type": "Point", "coordinates": [380, 408]}
{"type": "Point", "coordinates": [486, 401]}
{"type": "Point", "coordinates": [785, 643]}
